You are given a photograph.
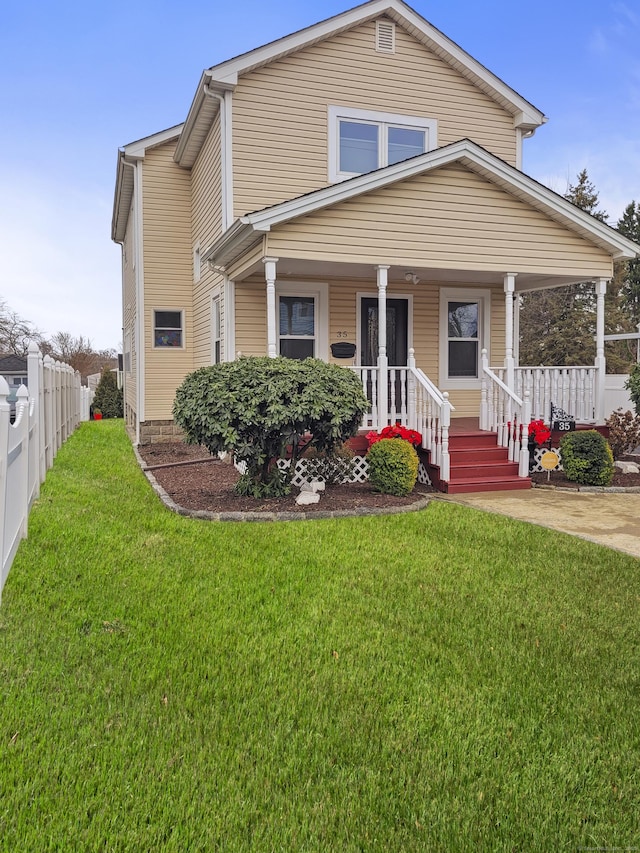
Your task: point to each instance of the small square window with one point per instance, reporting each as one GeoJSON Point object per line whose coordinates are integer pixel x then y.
{"type": "Point", "coordinates": [167, 329]}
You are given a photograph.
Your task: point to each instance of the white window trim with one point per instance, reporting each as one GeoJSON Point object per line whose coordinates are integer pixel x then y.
{"type": "Point", "coordinates": [216, 297]}
{"type": "Point", "coordinates": [360, 295]}
{"type": "Point", "coordinates": [430, 126]}
{"type": "Point", "coordinates": [458, 294]}
{"type": "Point", "coordinates": [320, 291]}
{"type": "Point", "coordinates": [180, 311]}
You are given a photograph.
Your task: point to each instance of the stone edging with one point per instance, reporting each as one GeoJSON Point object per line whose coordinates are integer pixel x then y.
{"type": "Point", "coordinates": [598, 489]}
{"type": "Point", "coordinates": [271, 516]}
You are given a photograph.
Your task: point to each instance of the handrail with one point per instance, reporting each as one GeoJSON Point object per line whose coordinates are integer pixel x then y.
{"type": "Point", "coordinates": [503, 412]}
{"type": "Point", "coordinates": [430, 414]}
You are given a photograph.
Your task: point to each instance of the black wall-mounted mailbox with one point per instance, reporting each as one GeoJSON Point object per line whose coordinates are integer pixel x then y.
{"type": "Point", "coordinates": [343, 350]}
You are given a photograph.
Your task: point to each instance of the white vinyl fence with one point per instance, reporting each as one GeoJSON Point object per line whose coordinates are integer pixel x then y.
{"type": "Point", "coordinates": [46, 414]}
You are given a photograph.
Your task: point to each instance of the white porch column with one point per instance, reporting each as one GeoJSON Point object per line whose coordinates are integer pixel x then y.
{"type": "Point", "coordinates": [600, 363]}
{"type": "Point", "coordinates": [270, 276]}
{"type": "Point", "coordinates": [509, 360]}
{"type": "Point", "coordinates": [383, 361]}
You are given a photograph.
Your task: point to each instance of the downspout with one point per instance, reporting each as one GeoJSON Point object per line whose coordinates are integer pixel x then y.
{"type": "Point", "coordinates": [225, 153]}
{"type": "Point", "coordinates": [138, 254]}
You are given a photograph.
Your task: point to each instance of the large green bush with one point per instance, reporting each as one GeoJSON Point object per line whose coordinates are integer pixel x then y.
{"type": "Point", "coordinates": [108, 397]}
{"type": "Point", "coordinates": [587, 458]}
{"type": "Point", "coordinates": [262, 409]}
{"type": "Point", "coordinates": [393, 466]}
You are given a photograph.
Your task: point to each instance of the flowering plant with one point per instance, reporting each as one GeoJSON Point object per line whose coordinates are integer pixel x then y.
{"type": "Point", "coordinates": [395, 431]}
{"type": "Point", "coordinates": [539, 432]}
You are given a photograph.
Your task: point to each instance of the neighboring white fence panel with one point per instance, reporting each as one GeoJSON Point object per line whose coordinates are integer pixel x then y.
{"type": "Point", "coordinates": [46, 415]}
{"type": "Point", "coordinates": [616, 396]}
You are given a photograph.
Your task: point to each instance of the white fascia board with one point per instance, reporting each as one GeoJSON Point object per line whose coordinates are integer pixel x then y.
{"type": "Point", "coordinates": [137, 149]}
{"type": "Point", "coordinates": [244, 230]}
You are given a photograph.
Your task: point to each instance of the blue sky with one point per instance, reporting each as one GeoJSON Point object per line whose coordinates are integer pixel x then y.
{"type": "Point", "coordinates": [79, 79]}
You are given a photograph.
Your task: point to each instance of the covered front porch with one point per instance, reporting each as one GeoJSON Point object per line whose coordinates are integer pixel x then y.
{"type": "Point", "coordinates": [420, 266]}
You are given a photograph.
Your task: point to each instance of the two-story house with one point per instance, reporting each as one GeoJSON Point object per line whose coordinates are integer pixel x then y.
{"type": "Point", "coordinates": [354, 192]}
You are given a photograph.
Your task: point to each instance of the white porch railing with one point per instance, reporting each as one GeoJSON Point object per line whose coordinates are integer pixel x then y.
{"type": "Point", "coordinates": [506, 413]}
{"type": "Point", "coordinates": [413, 401]}
{"type": "Point", "coordinates": [572, 389]}
{"type": "Point", "coordinates": [46, 414]}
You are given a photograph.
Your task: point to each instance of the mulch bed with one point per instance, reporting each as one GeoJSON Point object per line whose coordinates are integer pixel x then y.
{"type": "Point", "coordinates": [559, 479]}
{"type": "Point", "coordinates": [206, 483]}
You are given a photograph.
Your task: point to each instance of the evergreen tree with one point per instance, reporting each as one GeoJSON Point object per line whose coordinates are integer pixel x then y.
{"type": "Point", "coordinates": [108, 397]}
{"type": "Point", "coordinates": [558, 325]}
{"type": "Point", "coordinates": [628, 272]}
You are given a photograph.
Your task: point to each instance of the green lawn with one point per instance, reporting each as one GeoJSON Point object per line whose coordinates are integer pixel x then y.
{"type": "Point", "coordinates": [440, 681]}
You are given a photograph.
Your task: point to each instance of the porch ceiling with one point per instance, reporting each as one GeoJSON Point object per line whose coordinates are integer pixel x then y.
{"type": "Point", "coordinates": [291, 268]}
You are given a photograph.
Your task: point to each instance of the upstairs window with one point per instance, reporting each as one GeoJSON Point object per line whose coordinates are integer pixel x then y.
{"type": "Point", "coordinates": [361, 141]}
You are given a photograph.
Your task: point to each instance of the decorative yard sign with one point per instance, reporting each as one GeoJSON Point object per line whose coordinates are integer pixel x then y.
{"type": "Point", "coordinates": [549, 460]}
{"type": "Point", "coordinates": [560, 421]}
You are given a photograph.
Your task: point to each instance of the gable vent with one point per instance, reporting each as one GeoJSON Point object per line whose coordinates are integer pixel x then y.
{"type": "Point", "coordinates": [385, 37]}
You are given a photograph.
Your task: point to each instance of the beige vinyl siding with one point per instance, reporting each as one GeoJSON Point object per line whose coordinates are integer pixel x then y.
{"type": "Point", "coordinates": [280, 114]}
{"type": "Point", "coordinates": [168, 276]}
{"type": "Point", "coordinates": [206, 226]}
{"type": "Point", "coordinates": [450, 218]}
{"type": "Point", "coordinates": [251, 317]}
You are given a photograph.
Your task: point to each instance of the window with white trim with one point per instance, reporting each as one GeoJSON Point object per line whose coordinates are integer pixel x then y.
{"type": "Point", "coordinates": [464, 332]}
{"type": "Point", "coordinates": [363, 140]}
{"type": "Point", "coordinates": [168, 328]}
{"type": "Point", "coordinates": [302, 311]}
{"type": "Point", "coordinates": [297, 326]}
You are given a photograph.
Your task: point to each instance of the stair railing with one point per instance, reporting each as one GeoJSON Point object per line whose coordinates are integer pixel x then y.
{"type": "Point", "coordinates": [429, 412]}
{"type": "Point", "coordinates": [503, 412]}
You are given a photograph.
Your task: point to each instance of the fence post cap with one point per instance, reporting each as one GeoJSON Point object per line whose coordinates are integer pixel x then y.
{"type": "Point", "coordinates": [4, 386]}
{"type": "Point", "coordinates": [33, 347]}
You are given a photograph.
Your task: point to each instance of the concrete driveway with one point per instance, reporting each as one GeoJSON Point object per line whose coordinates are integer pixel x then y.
{"type": "Point", "coordinates": [608, 518]}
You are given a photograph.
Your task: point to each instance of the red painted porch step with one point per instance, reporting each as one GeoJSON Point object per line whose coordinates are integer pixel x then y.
{"type": "Point", "coordinates": [479, 464]}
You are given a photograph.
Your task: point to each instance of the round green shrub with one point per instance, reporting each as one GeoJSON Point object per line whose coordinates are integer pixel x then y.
{"type": "Point", "coordinates": [587, 458]}
{"type": "Point", "coordinates": [393, 466]}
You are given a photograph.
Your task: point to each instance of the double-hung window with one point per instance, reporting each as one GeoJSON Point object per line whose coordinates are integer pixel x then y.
{"type": "Point", "coordinates": [302, 311]}
{"type": "Point", "coordinates": [297, 326]}
{"type": "Point", "coordinates": [361, 141]}
{"type": "Point", "coordinates": [465, 319]}
{"type": "Point", "coordinates": [167, 328]}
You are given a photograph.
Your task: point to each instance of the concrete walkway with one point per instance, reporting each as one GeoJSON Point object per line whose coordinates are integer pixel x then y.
{"type": "Point", "coordinates": [608, 518]}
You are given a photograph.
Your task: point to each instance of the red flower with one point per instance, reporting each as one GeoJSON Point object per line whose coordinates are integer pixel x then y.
{"type": "Point", "coordinates": [540, 432]}
{"type": "Point", "coordinates": [395, 431]}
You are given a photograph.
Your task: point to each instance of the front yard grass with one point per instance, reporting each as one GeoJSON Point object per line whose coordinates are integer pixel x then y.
{"type": "Point", "coordinates": [446, 680]}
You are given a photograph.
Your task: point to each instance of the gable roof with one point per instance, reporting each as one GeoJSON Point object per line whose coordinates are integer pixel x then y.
{"type": "Point", "coordinates": [128, 156]}
{"type": "Point", "coordinates": [13, 364]}
{"type": "Point", "coordinates": [224, 77]}
{"type": "Point", "coordinates": [247, 230]}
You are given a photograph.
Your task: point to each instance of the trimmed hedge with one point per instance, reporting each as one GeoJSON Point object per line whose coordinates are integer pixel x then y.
{"type": "Point", "coordinates": [393, 466]}
{"type": "Point", "coordinates": [587, 458]}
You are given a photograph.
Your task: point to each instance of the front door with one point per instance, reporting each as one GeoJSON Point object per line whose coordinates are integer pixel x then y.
{"type": "Point", "coordinates": [397, 331]}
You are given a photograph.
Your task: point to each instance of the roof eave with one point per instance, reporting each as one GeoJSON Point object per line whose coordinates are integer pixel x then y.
{"type": "Point", "coordinates": [224, 76]}
{"type": "Point", "coordinates": [246, 230]}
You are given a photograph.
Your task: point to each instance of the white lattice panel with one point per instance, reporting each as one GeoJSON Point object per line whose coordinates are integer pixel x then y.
{"type": "Point", "coordinates": [534, 460]}
{"type": "Point", "coordinates": [359, 471]}
{"type": "Point", "coordinates": [423, 475]}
